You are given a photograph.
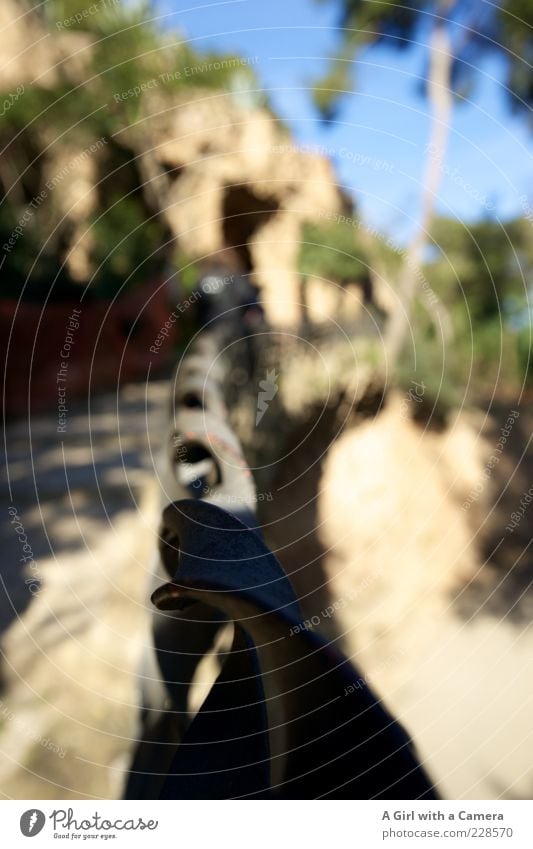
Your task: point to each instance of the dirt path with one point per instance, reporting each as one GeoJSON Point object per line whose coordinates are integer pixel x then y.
{"type": "Point", "coordinates": [88, 510]}
{"type": "Point", "coordinates": [433, 600]}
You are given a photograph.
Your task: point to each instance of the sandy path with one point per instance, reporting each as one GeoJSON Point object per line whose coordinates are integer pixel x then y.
{"type": "Point", "coordinates": [70, 651]}
{"type": "Point", "coordinates": [454, 661]}
{"type": "Point", "coordinates": [436, 601]}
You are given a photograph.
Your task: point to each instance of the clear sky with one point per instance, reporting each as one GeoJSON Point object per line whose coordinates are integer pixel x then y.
{"type": "Point", "coordinates": [378, 142]}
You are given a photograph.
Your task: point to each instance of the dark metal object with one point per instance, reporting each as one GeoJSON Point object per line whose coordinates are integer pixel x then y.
{"type": "Point", "coordinates": [202, 460]}
{"type": "Point", "coordinates": [289, 716]}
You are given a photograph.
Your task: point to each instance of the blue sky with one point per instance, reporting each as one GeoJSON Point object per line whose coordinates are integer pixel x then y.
{"type": "Point", "coordinates": [489, 165]}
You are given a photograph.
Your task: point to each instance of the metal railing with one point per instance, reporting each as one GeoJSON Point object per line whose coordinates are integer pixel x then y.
{"type": "Point", "coordinates": [284, 718]}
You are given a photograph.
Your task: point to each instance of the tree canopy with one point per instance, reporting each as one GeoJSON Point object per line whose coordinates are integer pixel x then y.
{"type": "Point", "coordinates": [475, 28]}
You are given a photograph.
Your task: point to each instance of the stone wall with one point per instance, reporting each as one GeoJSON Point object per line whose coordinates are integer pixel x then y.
{"type": "Point", "coordinates": [221, 174]}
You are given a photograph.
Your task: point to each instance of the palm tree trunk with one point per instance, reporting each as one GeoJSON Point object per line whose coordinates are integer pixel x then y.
{"type": "Point", "coordinates": [441, 100]}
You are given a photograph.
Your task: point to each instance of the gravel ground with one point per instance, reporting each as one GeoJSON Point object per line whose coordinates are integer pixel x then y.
{"type": "Point", "coordinates": [433, 601]}
{"type": "Point", "coordinates": [88, 507]}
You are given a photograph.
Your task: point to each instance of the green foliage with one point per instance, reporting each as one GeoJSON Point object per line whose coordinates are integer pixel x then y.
{"type": "Point", "coordinates": [332, 250]}
{"type": "Point", "coordinates": [127, 59]}
{"type": "Point", "coordinates": [482, 265]}
{"type": "Point", "coordinates": [436, 381]}
{"type": "Point", "coordinates": [31, 268]}
{"type": "Point", "coordinates": [515, 23]}
{"type": "Point", "coordinates": [480, 275]}
{"type": "Point", "coordinates": [327, 92]}
{"type": "Point", "coordinates": [98, 16]}
{"type": "Point", "coordinates": [362, 24]}
{"type": "Point", "coordinates": [478, 358]}
{"type": "Point", "coordinates": [365, 22]}
{"type": "Point", "coordinates": [189, 271]}
{"type": "Point", "coordinates": [124, 241]}
{"type": "Point", "coordinates": [524, 353]}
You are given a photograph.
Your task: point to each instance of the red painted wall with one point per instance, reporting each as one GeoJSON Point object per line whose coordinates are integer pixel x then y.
{"type": "Point", "coordinates": [111, 346]}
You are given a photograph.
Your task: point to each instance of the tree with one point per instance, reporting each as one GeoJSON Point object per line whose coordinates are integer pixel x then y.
{"type": "Point", "coordinates": [456, 33]}
{"type": "Point", "coordinates": [125, 233]}
{"type": "Point", "coordinates": [485, 270]}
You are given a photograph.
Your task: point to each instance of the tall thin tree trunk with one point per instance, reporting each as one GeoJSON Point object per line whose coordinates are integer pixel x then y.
{"type": "Point", "coordinates": [441, 100]}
